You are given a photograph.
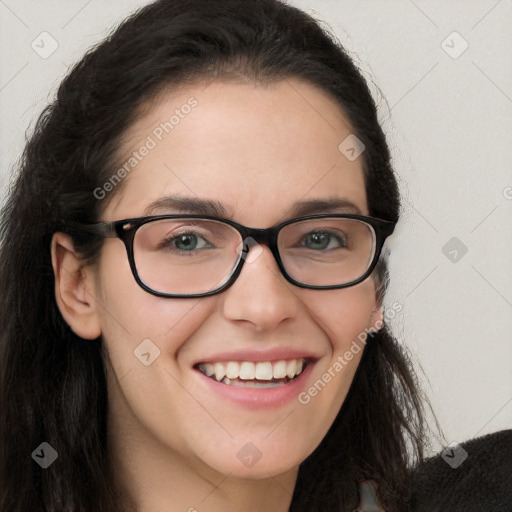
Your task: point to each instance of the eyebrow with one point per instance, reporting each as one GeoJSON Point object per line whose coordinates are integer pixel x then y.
{"type": "Point", "coordinates": [183, 204]}
{"type": "Point", "coordinates": [214, 208]}
{"type": "Point", "coordinates": [328, 205]}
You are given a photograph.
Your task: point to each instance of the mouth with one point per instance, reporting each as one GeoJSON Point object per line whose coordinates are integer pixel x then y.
{"type": "Point", "coordinates": [249, 374]}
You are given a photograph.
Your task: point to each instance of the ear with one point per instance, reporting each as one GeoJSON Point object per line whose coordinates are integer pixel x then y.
{"type": "Point", "coordinates": [74, 288]}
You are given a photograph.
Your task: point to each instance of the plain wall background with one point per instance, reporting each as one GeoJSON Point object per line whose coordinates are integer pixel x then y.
{"type": "Point", "coordinates": [448, 116]}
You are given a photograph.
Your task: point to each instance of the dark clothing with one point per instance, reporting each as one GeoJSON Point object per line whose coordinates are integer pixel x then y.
{"type": "Point", "coordinates": [473, 477]}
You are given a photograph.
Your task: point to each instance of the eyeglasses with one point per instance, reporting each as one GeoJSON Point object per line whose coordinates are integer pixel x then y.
{"type": "Point", "coordinates": [197, 256]}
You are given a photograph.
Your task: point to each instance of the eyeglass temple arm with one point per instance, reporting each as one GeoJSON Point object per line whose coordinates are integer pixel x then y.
{"type": "Point", "coordinates": [100, 229]}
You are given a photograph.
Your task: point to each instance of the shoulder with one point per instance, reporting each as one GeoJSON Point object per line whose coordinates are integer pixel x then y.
{"type": "Point", "coordinates": [475, 476]}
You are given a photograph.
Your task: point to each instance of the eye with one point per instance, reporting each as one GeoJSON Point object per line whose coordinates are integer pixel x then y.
{"type": "Point", "coordinates": [324, 240]}
{"type": "Point", "coordinates": [185, 242]}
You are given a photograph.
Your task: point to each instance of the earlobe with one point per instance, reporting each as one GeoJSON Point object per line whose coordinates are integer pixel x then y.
{"type": "Point", "coordinates": [73, 288]}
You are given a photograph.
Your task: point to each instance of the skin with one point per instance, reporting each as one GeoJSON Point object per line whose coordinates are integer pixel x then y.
{"type": "Point", "coordinates": [173, 443]}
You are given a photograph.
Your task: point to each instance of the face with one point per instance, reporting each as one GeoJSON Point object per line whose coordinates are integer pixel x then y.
{"type": "Point", "coordinates": [257, 150]}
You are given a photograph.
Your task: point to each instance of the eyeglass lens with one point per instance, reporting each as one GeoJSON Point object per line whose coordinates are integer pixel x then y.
{"type": "Point", "coordinates": [189, 256]}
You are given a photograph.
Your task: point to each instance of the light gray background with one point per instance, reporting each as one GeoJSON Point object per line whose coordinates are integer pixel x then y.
{"type": "Point", "coordinates": [448, 118]}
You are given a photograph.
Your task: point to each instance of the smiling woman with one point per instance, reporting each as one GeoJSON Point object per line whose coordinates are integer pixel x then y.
{"type": "Point", "coordinates": [159, 335]}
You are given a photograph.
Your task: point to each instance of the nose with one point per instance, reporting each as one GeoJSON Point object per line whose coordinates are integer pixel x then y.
{"type": "Point", "coordinates": [260, 296]}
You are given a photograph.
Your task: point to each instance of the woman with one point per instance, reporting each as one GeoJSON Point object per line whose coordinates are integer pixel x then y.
{"type": "Point", "coordinates": [191, 281]}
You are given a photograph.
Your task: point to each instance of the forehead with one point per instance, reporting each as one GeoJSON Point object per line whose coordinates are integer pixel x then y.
{"type": "Point", "coordinates": [259, 150]}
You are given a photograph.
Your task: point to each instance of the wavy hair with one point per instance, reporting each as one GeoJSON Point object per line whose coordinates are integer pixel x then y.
{"type": "Point", "coordinates": [52, 383]}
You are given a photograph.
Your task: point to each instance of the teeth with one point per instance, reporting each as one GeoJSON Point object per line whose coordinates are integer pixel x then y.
{"type": "Point", "coordinates": [249, 371]}
{"type": "Point", "coordinates": [232, 370]}
{"type": "Point", "coordinates": [263, 371]}
{"type": "Point", "coordinates": [220, 371]}
{"type": "Point", "coordinates": [252, 383]}
{"type": "Point", "coordinates": [291, 369]}
{"type": "Point", "coordinates": [280, 370]}
{"type": "Point", "coordinates": [207, 368]}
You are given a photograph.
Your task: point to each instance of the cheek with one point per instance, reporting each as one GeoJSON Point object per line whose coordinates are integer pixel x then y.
{"type": "Point", "coordinates": [344, 314]}
{"type": "Point", "coordinates": [129, 315]}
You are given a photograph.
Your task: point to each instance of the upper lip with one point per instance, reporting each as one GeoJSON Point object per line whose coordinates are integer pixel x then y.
{"type": "Point", "coordinates": [275, 354]}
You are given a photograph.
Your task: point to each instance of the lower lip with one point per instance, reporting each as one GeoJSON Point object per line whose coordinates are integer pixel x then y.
{"type": "Point", "coordinates": [257, 398]}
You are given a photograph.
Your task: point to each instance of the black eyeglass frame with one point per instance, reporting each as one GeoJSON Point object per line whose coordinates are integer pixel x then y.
{"type": "Point", "coordinates": [125, 230]}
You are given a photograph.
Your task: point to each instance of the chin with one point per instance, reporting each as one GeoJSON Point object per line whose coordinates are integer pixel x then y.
{"type": "Point", "coordinates": [250, 462]}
